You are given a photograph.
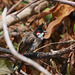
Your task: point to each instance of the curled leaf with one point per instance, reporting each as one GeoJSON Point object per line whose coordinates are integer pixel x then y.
{"type": "Point", "coordinates": [59, 13]}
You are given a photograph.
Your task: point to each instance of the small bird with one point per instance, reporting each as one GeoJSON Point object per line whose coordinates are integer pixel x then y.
{"type": "Point", "coordinates": [30, 41]}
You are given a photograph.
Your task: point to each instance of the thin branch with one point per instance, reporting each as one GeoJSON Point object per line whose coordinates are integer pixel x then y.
{"type": "Point", "coordinates": [4, 50]}
{"type": "Point", "coordinates": [54, 44]}
{"type": "Point", "coordinates": [54, 54]}
{"type": "Point", "coordinates": [65, 2]}
{"type": "Point", "coordinates": [50, 66]}
{"type": "Point", "coordinates": [8, 57]}
{"type": "Point", "coordinates": [38, 55]}
{"type": "Point", "coordinates": [26, 6]}
{"type": "Point", "coordinates": [11, 34]}
{"type": "Point", "coordinates": [60, 1]}
{"type": "Point", "coordinates": [14, 52]}
{"type": "Point", "coordinates": [13, 7]}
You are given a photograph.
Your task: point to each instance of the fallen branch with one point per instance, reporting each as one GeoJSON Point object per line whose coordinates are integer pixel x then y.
{"type": "Point", "coordinates": [52, 54]}
{"type": "Point", "coordinates": [54, 44]}
{"type": "Point", "coordinates": [38, 55]}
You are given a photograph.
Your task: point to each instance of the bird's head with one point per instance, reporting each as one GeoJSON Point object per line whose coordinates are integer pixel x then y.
{"type": "Point", "coordinates": [39, 32]}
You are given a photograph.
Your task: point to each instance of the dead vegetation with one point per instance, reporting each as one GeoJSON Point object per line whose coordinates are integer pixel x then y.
{"type": "Point", "coordinates": [56, 53]}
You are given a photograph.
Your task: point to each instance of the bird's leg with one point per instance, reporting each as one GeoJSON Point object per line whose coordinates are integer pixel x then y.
{"type": "Point", "coordinates": [22, 63]}
{"type": "Point", "coordinates": [15, 63]}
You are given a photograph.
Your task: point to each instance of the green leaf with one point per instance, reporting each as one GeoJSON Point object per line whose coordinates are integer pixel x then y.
{"type": "Point", "coordinates": [62, 36]}
{"type": "Point", "coordinates": [15, 45]}
{"type": "Point", "coordinates": [22, 25]}
{"type": "Point", "coordinates": [26, 0]}
{"type": "Point", "coordinates": [6, 66]}
{"type": "Point", "coordinates": [46, 9]}
{"type": "Point", "coordinates": [48, 17]}
{"type": "Point", "coordinates": [74, 28]}
{"type": "Point", "coordinates": [0, 11]}
{"type": "Point", "coordinates": [22, 3]}
{"type": "Point", "coordinates": [1, 32]}
{"type": "Point", "coordinates": [52, 4]}
{"type": "Point", "coordinates": [68, 67]}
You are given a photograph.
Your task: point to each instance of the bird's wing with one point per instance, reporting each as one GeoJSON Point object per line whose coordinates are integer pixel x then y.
{"type": "Point", "coordinates": [25, 43]}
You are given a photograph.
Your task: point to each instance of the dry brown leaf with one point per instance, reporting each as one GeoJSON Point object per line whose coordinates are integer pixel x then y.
{"type": "Point", "coordinates": [71, 61]}
{"type": "Point", "coordinates": [66, 38]}
{"type": "Point", "coordinates": [41, 15]}
{"type": "Point", "coordinates": [60, 13]}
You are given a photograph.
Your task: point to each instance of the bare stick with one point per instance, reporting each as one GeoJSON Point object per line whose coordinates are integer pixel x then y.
{"type": "Point", "coordinates": [26, 6]}
{"type": "Point", "coordinates": [54, 44]}
{"type": "Point", "coordinates": [52, 54]}
{"type": "Point", "coordinates": [11, 9]}
{"type": "Point", "coordinates": [14, 52]}
{"type": "Point", "coordinates": [65, 2]}
{"type": "Point", "coordinates": [4, 50]}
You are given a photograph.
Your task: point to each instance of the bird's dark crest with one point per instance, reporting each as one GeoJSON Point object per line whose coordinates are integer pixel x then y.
{"type": "Point", "coordinates": [40, 28]}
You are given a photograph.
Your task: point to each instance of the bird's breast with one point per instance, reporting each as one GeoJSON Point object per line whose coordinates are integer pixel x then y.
{"type": "Point", "coordinates": [35, 44]}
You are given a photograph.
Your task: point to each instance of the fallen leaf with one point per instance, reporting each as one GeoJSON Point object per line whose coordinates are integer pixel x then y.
{"type": "Point", "coordinates": [71, 62]}
{"type": "Point", "coordinates": [60, 13]}
{"type": "Point", "coordinates": [6, 66]}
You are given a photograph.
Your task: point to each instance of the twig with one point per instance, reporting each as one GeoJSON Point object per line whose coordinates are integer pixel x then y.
{"type": "Point", "coordinates": [54, 54]}
{"type": "Point", "coordinates": [54, 44]}
{"type": "Point", "coordinates": [4, 50]}
{"type": "Point", "coordinates": [38, 55]}
{"type": "Point", "coordinates": [8, 57]}
{"type": "Point", "coordinates": [26, 6]}
{"type": "Point", "coordinates": [5, 56]}
{"type": "Point", "coordinates": [14, 52]}
{"type": "Point", "coordinates": [50, 66]}
{"type": "Point", "coordinates": [13, 7]}
{"type": "Point", "coordinates": [65, 2]}
{"type": "Point", "coordinates": [11, 34]}
{"type": "Point", "coordinates": [61, 1]}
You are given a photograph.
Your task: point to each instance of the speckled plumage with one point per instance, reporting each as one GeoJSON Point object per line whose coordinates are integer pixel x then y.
{"type": "Point", "coordinates": [29, 43]}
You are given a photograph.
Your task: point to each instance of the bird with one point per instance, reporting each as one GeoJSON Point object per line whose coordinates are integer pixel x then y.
{"type": "Point", "coordinates": [31, 41]}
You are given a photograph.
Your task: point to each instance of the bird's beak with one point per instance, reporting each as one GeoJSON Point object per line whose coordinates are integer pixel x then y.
{"type": "Point", "coordinates": [45, 31]}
